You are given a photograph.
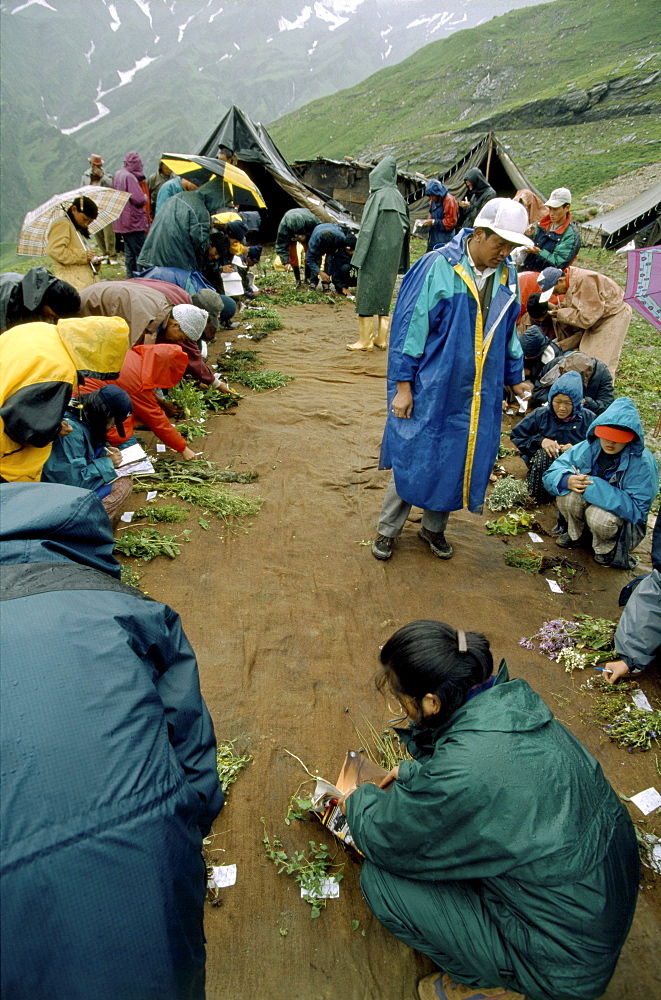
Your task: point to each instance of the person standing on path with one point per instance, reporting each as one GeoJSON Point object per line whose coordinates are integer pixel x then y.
{"type": "Point", "coordinates": [382, 251]}
{"type": "Point", "coordinates": [133, 222]}
{"type": "Point", "coordinates": [453, 347]}
{"type": "Point", "coordinates": [96, 176]}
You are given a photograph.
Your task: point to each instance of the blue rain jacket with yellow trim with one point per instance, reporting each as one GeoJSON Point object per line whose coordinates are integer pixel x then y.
{"type": "Point", "coordinates": [457, 362]}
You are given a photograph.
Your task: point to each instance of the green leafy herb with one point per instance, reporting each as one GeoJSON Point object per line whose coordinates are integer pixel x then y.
{"type": "Point", "coordinates": [309, 868]}
{"type": "Point", "coordinates": [514, 523]}
{"type": "Point", "coordinates": [229, 763]}
{"type": "Point", "coordinates": [166, 513]}
{"type": "Point", "coordinates": [147, 543]}
{"type": "Point", "coordinates": [508, 492]}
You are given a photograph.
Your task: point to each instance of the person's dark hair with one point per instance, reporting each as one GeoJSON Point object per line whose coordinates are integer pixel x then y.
{"type": "Point", "coordinates": [88, 208]}
{"type": "Point", "coordinates": [537, 309]}
{"type": "Point", "coordinates": [424, 657]}
{"type": "Point", "coordinates": [97, 415]}
{"type": "Point", "coordinates": [62, 298]}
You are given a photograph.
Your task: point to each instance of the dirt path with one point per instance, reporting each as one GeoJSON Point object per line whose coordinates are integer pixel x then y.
{"type": "Point", "coordinates": [286, 620]}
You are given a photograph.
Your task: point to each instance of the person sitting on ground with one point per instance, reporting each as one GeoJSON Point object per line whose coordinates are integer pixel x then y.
{"type": "Point", "coordinates": [443, 214]}
{"type": "Point", "coordinates": [551, 430]}
{"type": "Point", "coordinates": [598, 392]}
{"type": "Point", "coordinates": [175, 185]}
{"type": "Point", "coordinates": [36, 295]}
{"type": "Point", "coordinates": [146, 368]}
{"type": "Point", "coordinates": [592, 316]}
{"type": "Point", "coordinates": [81, 457]}
{"type": "Point", "coordinates": [109, 780]}
{"type": "Point", "coordinates": [538, 351]}
{"type": "Point", "coordinates": [606, 484]}
{"type": "Point", "coordinates": [327, 237]}
{"type": "Point", "coordinates": [40, 364]}
{"type": "Point", "coordinates": [73, 260]}
{"type": "Point", "coordinates": [478, 193]}
{"type": "Point", "coordinates": [338, 268]}
{"type": "Point", "coordinates": [296, 226]}
{"type": "Point", "coordinates": [638, 635]}
{"type": "Point", "coordinates": [557, 239]}
{"type": "Point", "coordinates": [179, 236]}
{"type": "Point", "coordinates": [500, 850]}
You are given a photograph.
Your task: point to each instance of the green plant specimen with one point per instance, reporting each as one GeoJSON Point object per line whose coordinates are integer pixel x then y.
{"type": "Point", "coordinates": [514, 523]}
{"type": "Point", "coordinates": [147, 543]}
{"type": "Point", "coordinates": [382, 747]}
{"type": "Point", "coordinates": [259, 381]}
{"type": "Point", "coordinates": [230, 763]}
{"type": "Point", "coordinates": [508, 492]}
{"type": "Point", "coordinates": [171, 469]}
{"type": "Point", "coordinates": [625, 723]}
{"type": "Point", "coordinates": [191, 430]}
{"type": "Point", "coordinates": [310, 869]}
{"type": "Point", "coordinates": [130, 577]}
{"type": "Point", "coordinates": [213, 499]}
{"type": "Point", "coordinates": [526, 559]}
{"type": "Point", "coordinates": [166, 513]}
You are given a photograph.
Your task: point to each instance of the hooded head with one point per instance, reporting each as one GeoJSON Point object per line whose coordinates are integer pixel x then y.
{"type": "Point", "coordinates": [478, 180]}
{"type": "Point", "coordinates": [533, 341]}
{"type": "Point", "coordinates": [436, 189]}
{"type": "Point", "coordinates": [97, 345]}
{"type": "Point", "coordinates": [162, 365]}
{"type": "Point", "coordinates": [49, 522]}
{"type": "Point", "coordinates": [384, 174]}
{"type": "Point", "coordinates": [570, 385]}
{"type": "Point", "coordinates": [133, 163]}
{"type": "Point", "coordinates": [622, 413]}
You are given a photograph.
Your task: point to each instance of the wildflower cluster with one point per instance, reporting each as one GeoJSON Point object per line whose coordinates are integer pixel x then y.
{"type": "Point", "coordinates": [578, 644]}
{"type": "Point", "coordinates": [572, 659]}
{"type": "Point", "coordinates": [553, 637]}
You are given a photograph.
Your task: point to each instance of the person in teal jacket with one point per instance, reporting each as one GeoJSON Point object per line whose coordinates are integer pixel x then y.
{"type": "Point", "coordinates": [179, 235]}
{"type": "Point", "coordinates": [606, 484]}
{"type": "Point", "coordinates": [500, 850]}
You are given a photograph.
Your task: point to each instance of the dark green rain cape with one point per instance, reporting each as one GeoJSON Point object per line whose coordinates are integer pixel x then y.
{"type": "Point", "coordinates": [382, 248]}
{"type": "Point", "coordinates": [502, 852]}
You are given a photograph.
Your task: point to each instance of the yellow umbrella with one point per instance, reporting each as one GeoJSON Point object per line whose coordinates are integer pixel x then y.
{"type": "Point", "coordinates": [223, 217]}
{"type": "Point", "coordinates": [241, 188]}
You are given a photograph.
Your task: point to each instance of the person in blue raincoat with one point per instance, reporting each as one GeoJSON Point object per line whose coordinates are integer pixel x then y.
{"type": "Point", "coordinates": [607, 484]}
{"type": "Point", "coordinates": [325, 238]}
{"type": "Point", "coordinates": [443, 213]}
{"type": "Point", "coordinates": [109, 780]}
{"type": "Point", "coordinates": [453, 346]}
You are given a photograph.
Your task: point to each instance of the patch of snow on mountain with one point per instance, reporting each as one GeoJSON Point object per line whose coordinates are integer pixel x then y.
{"type": "Point", "coordinates": [39, 3]}
{"type": "Point", "coordinates": [238, 49]}
{"type": "Point", "coordinates": [314, 45]}
{"type": "Point", "coordinates": [89, 53]}
{"type": "Point", "coordinates": [285, 25]}
{"type": "Point", "coordinates": [384, 55]}
{"type": "Point", "coordinates": [213, 16]}
{"type": "Point", "coordinates": [144, 7]}
{"type": "Point", "coordinates": [461, 20]}
{"type": "Point", "coordinates": [344, 6]}
{"type": "Point", "coordinates": [102, 111]}
{"type": "Point", "coordinates": [444, 18]}
{"type": "Point", "coordinates": [386, 31]}
{"type": "Point", "coordinates": [129, 74]}
{"type": "Point", "coordinates": [115, 23]}
{"type": "Point", "coordinates": [228, 55]}
{"type": "Point", "coordinates": [182, 27]}
{"type": "Point", "coordinates": [324, 14]}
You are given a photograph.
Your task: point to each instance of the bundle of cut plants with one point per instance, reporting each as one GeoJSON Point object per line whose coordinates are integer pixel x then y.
{"type": "Point", "coordinates": [242, 367]}
{"type": "Point", "coordinates": [147, 543]}
{"type": "Point", "coordinates": [172, 469]}
{"type": "Point", "coordinates": [201, 486]}
{"type": "Point", "coordinates": [575, 644]}
{"type": "Point", "coordinates": [625, 723]}
{"type": "Point", "coordinates": [528, 559]}
{"type": "Point", "coordinates": [507, 493]}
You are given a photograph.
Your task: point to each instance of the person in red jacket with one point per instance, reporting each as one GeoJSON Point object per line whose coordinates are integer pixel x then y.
{"type": "Point", "coordinates": [148, 367]}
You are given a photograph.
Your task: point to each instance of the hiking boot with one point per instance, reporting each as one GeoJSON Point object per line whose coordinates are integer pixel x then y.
{"type": "Point", "coordinates": [566, 542]}
{"type": "Point", "coordinates": [604, 560]}
{"type": "Point", "coordinates": [437, 543]}
{"type": "Point", "coordinates": [440, 986]}
{"type": "Point", "coordinates": [382, 547]}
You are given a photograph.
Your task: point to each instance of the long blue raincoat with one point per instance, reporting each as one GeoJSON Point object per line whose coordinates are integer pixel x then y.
{"type": "Point", "coordinates": [109, 775]}
{"type": "Point", "coordinates": [457, 361]}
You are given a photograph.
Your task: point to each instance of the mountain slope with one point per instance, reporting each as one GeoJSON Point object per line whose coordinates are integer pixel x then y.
{"type": "Point", "coordinates": [551, 67]}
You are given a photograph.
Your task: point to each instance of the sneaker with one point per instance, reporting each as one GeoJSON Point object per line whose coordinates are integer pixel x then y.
{"type": "Point", "coordinates": [437, 543]}
{"type": "Point", "coordinates": [440, 986]}
{"type": "Point", "coordinates": [566, 542]}
{"type": "Point", "coordinates": [382, 547]}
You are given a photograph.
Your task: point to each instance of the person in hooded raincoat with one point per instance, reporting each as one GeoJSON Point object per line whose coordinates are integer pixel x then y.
{"type": "Point", "coordinates": [443, 213]}
{"type": "Point", "coordinates": [598, 391]}
{"type": "Point", "coordinates": [382, 252]}
{"type": "Point", "coordinates": [36, 295]}
{"type": "Point", "coordinates": [133, 223]}
{"type": "Point", "coordinates": [109, 780]}
{"type": "Point", "coordinates": [500, 850]}
{"type": "Point", "coordinates": [551, 430]}
{"type": "Point", "coordinates": [607, 483]}
{"type": "Point", "coordinates": [148, 367]}
{"type": "Point", "coordinates": [478, 193]}
{"type": "Point", "coordinates": [40, 365]}
{"type": "Point", "coordinates": [326, 238]}
{"type": "Point", "coordinates": [453, 347]}
{"type": "Point", "coordinates": [179, 236]}
{"type": "Point", "coordinates": [297, 222]}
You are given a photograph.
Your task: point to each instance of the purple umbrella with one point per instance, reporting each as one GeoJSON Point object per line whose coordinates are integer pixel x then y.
{"type": "Point", "coordinates": [643, 290]}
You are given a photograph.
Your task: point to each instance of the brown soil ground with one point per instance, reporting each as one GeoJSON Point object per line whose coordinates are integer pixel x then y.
{"type": "Point", "coordinates": [286, 619]}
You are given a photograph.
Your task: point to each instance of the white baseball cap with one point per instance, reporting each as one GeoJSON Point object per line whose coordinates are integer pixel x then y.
{"type": "Point", "coordinates": [559, 197]}
{"type": "Point", "coordinates": [507, 218]}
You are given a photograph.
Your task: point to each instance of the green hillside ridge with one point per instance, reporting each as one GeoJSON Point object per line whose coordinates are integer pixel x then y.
{"type": "Point", "coordinates": [529, 68]}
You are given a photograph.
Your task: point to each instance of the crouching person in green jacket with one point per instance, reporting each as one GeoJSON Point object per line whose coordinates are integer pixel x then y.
{"type": "Point", "coordinates": [500, 851]}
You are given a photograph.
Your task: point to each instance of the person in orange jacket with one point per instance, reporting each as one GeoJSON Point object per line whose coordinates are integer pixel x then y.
{"type": "Point", "coordinates": [148, 367]}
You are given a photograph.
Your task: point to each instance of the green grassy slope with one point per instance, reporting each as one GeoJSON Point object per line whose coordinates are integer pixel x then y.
{"type": "Point", "coordinates": [537, 66]}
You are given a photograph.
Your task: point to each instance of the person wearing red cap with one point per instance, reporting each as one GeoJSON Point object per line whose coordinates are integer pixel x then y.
{"type": "Point", "coordinates": [96, 176]}
{"type": "Point", "coordinates": [606, 485]}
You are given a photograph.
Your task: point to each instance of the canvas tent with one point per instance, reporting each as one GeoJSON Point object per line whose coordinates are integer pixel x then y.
{"type": "Point", "coordinates": [638, 219]}
{"type": "Point", "coordinates": [266, 166]}
{"type": "Point", "coordinates": [347, 181]}
{"type": "Point", "coordinates": [497, 165]}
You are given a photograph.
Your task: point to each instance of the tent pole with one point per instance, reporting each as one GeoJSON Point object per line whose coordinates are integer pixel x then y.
{"type": "Point", "coordinates": [486, 173]}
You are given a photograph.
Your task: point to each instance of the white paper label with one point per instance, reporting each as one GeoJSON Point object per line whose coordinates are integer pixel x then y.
{"type": "Point", "coordinates": [330, 889]}
{"type": "Point", "coordinates": [160, 447]}
{"type": "Point", "coordinates": [152, 495]}
{"type": "Point", "coordinates": [223, 875]}
{"type": "Point", "coordinates": [555, 586]}
{"type": "Point", "coordinates": [127, 516]}
{"type": "Point", "coordinates": [647, 801]}
{"type": "Point", "coordinates": [534, 537]}
{"type": "Point", "coordinates": [640, 700]}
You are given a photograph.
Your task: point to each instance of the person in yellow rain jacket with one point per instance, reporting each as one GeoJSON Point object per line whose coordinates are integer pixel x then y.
{"type": "Point", "coordinates": [40, 365]}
